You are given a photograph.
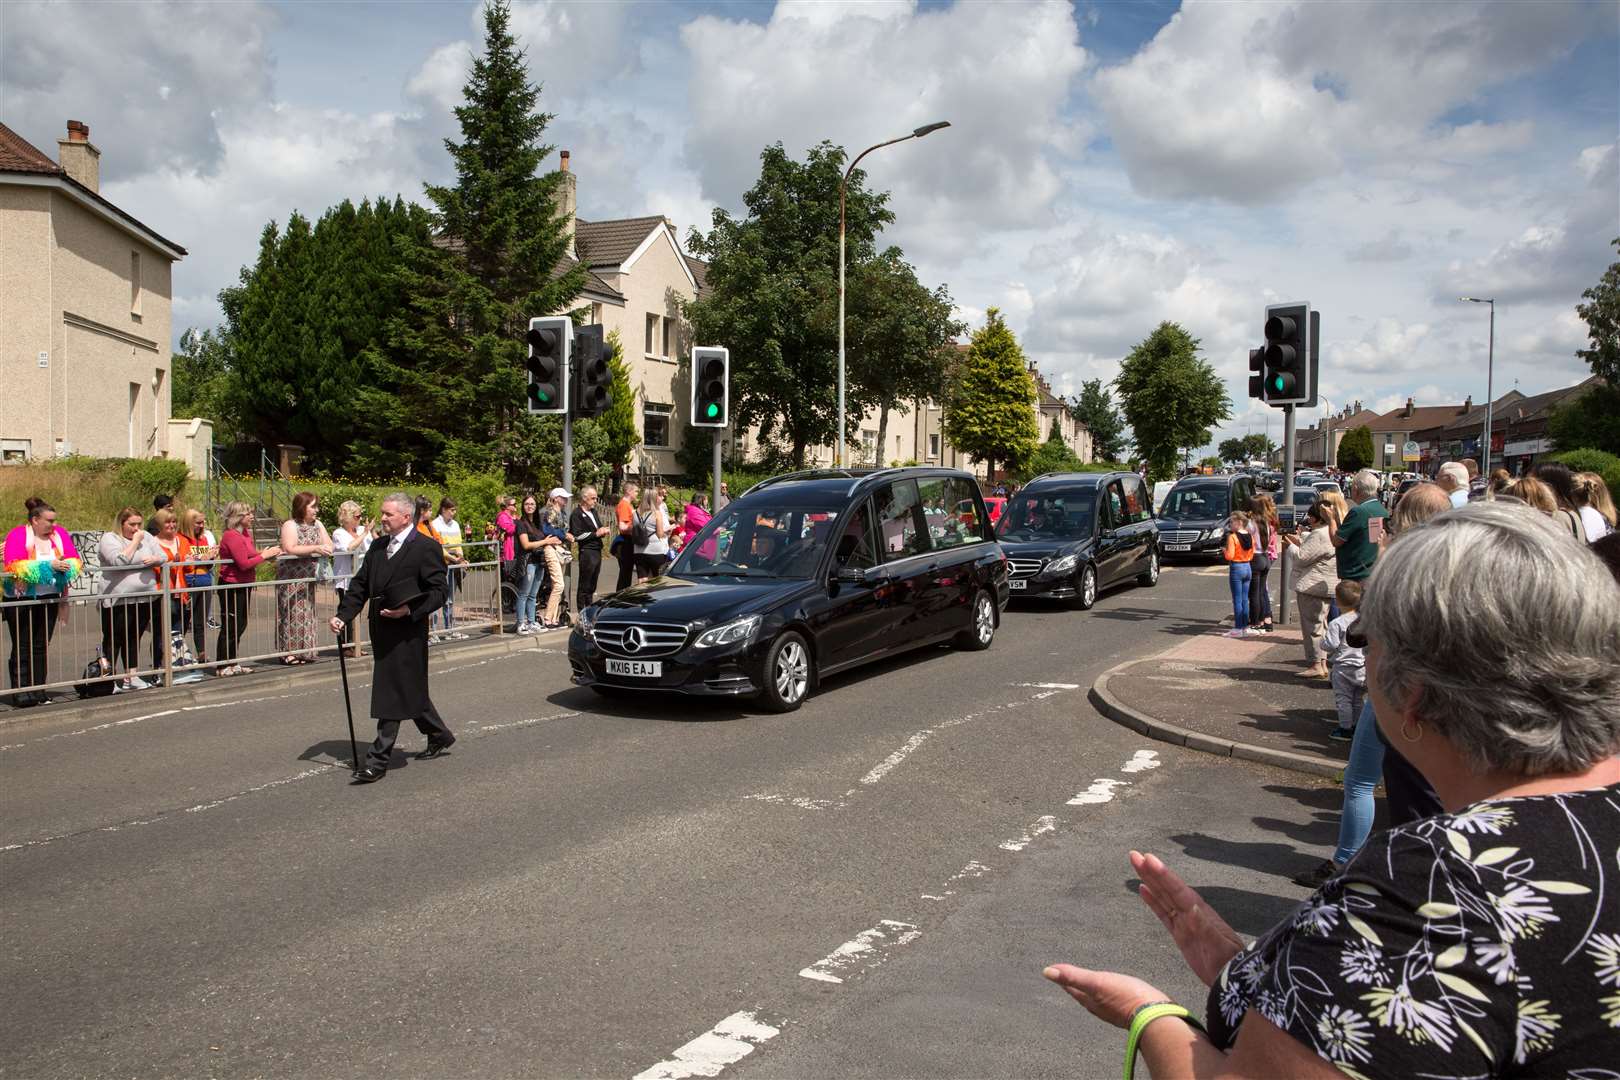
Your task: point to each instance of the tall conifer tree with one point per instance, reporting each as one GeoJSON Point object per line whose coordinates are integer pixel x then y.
{"type": "Point", "coordinates": [990, 404]}
{"type": "Point", "coordinates": [451, 375]}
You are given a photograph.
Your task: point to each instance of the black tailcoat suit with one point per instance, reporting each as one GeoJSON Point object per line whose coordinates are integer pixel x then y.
{"type": "Point", "coordinates": [399, 684]}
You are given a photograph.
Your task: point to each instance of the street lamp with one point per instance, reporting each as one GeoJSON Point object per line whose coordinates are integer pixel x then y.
{"type": "Point", "coordinates": [843, 186]}
{"type": "Point", "coordinates": [1490, 364]}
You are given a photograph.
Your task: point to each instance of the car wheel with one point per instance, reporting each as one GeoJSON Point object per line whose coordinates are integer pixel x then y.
{"type": "Point", "coordinates": [1085, 589]}
{"type": "Point", "coordinates": [1150, 577]}
{"type": "Point", "coordinates": [788, 673]}
{"type": "Point", "coordinates": [982, 630]}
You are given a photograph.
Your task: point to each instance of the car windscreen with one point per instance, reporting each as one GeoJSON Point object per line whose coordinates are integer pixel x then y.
{"type": "Point", "coordinates": [1196, 503]}
{"type": "Point", "coordinates": [759, 540]}
{"type": "Point", "coordinates": [1062, 514]}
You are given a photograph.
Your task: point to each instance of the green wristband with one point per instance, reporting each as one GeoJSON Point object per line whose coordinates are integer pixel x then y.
{"type": "Point", "coordinates": [1141, 1018]}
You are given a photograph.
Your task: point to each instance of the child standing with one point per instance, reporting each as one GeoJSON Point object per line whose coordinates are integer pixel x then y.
{"type": "Point", "coordinates": [1349, 664]}
{"type": "Point", "coordinates": [1239, 552]}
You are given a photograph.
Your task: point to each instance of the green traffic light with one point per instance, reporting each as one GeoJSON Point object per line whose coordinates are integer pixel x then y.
{"type": "Point", "coordinates": [712, 411]}
{"type": "Point", "coordinates": [1277, 383]}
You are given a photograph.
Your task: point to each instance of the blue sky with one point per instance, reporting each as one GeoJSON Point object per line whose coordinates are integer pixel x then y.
{"type": "Point", "coordinates": [1109, 165]}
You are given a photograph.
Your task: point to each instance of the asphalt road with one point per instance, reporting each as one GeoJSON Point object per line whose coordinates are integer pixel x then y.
{"type": "Point", "coordinates": [868, 887]}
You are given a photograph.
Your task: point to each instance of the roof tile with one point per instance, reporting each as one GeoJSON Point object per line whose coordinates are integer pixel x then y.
{"type": "Point", "coordinates": [17, 154]}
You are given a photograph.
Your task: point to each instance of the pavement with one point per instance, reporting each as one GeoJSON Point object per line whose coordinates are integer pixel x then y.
{"type": "Point", "coordinates": [626, 887]}
{"type": "Point", "coordinates": [1232, 697]}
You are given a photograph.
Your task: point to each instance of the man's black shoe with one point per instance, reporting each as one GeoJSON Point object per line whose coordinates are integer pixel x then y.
{"type": "Point", "coordinates": [434, 749]}
{"type": "Point", "coordinates": [370, 774]}
{"type": "Point", "coordinates": [1319, 875]}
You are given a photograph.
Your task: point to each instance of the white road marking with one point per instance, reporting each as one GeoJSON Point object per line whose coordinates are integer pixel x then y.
{"type": "Point", "coordinates": [791, 800]}
{"type": "Point", "coordinates": [729, 1041]}
{"type": "Point", "coordinates": [1045, 824]}
{"type": "Point", "coordinates": [887, 765]}
{"type": "Point", "coordinates": [305, 775]}
{"type": "Point", "coordinates": [974, 869]}
{"type": "Point", "coordinates": [485, 729]}
{"type": "Point", "coordinates": [1050, 685]}
{"type": "Point", "coordinates": [1142, 760]}
{"type": "Point", "coordinates": [867, 949]}
{"type": "Point", "coordinates": [1100, 791]}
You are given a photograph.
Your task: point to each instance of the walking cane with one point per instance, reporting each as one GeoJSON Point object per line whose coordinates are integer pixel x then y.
{"type": "Point", "coordinates": [343, 668]}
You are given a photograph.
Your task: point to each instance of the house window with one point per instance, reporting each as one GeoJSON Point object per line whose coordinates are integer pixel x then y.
{"type": "Point", "coordinates": [667, 325]}
{"type": "Point", "coordinates": [869, 446]}
{"type": "Point", "coordinates": [16, 450]}
{"type": "Point", "coordinates": [596, 314]}
{"type": "Point", "coordinates": [652, 334]}
{"type": "Point", "coordinates": [933, 448]}
{"type": "Point", "coordinates": [135, 283]}
{"type": "Point", "coordinates": [655, 425]}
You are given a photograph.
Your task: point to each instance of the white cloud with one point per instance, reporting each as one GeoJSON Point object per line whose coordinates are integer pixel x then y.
{"type": "Point", "coordinates": [156, 82]}
{"type": "Point", "coordinates": [859, 73]}
{"type": "Point", "coordinates": [1248, 103]}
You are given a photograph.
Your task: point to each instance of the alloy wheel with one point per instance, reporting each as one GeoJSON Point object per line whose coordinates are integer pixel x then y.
{"type": "Point", "coordinates": [1088, 586]}
{"type": "Point", "coordinates": [792, 673]}
{"type": "Point", "coordinates": [984, 619]}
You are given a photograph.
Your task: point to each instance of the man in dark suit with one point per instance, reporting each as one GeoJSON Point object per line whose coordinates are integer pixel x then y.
{"type": "Point", "coordinates": [587, 528]}
{"type": "Point", "coordinates": [403, 576]}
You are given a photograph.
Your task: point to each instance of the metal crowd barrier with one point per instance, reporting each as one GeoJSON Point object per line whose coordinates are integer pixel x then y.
{"type": "Point", "coordinates": [173, 636]}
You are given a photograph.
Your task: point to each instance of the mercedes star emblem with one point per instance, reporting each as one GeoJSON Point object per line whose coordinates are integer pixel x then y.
{"type": "Point", "coordinates": [633, 639]}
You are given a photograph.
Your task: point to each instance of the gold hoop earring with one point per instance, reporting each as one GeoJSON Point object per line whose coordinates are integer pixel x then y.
{"type": "Point", "coordinates": [1411, 738]}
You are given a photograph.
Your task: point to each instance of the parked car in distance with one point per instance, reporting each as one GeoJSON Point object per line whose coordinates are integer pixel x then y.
{"type": "Point", "coordinates": [1328, 485]}
{"type": "Point", "coordinates": [995, 504]}
{"type": "Point", "coordinates": [1192, 520]}
{"type": "Point", "coordinates": [1068, 536]}
{"type": "Point", "coordinates": [802, 576]}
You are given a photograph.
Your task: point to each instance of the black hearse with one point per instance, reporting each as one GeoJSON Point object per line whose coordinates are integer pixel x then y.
{"type": "Point", "coordinates": [804, 575]}
{"type": "Point", "coordinates": [1192, 520]}
{"type": "Point", "coordinates": [1070, 535]}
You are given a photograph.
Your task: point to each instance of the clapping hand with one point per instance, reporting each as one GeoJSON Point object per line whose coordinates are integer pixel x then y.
{"type": "Point", "coordinates": [1205, 940]}
{"type": "Point", "coordinates": [1108, 995]}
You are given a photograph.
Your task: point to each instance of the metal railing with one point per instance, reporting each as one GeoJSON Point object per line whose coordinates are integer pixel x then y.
{"type": "Point", "coordinates": [177, 634]}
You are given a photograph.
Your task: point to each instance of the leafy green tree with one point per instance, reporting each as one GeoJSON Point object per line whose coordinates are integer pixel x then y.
{"type": "Point", "coordinates": [450, 375]}
{"type": "Point", "coordinates": [1171, 397]}
{"type": "Point", "coordinates": [1590, 421]}
{"type": "Point", "coordinates": [1051, 456]}
{"type": "Point", "coordinates": [1356, 449]}
{"type": "Point", "coordinates": [618, 424]}
{"type": "Point", "coordinates": [202, 383]}
{"type": "Point", "coordinates": [772, 294]}
{"type": "Point", "coordinates": [990, 404]}
{"type": "Point", "coordinates": [897, 332]}
{"type": "Point", "coordinates": [1234, 450]}
{"type": "Point", "coordinates": [1211, 462]}
{"type": "Point", "coordinates": [1602, 316]}
{"type": "Point", "coordinates": [1095, 408]}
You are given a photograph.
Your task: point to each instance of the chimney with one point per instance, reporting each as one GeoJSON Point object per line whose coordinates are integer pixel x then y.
{"type": "Point", "coordinates": [1409, 407]}
{"type": "Point", "coordinates": [568, 202]}
{"type": "Point", "coordinates": [79, 157]}
{"type": "Point", "coordinates": [1468, 405]}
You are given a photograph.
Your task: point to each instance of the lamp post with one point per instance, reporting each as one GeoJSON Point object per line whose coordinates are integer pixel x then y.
{"type": "Point", "coordinates": [1490, 365]}
{"type": "Point", "coordinates": [843, 186]}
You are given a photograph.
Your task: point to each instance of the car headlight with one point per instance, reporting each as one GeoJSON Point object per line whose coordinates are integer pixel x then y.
{"type": "Point", "coordinates": [732, 633]}
{"type": "Point", "coordinates": [586, 622]}
{"type": "Point", "coordinates": [1059, 566]}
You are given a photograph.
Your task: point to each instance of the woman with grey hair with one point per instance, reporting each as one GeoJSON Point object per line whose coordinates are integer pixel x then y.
{"type": "Point", "coordinates": [1481, 942]}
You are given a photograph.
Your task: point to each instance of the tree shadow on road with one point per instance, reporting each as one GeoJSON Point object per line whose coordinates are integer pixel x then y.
{"type": "Point", "coordinates": [1177, 625]}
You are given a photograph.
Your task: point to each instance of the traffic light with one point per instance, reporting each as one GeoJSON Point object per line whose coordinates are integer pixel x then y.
{"type": "Point", "coordinates": [711, 387]}
{"type": "Point", "coordinates": [1289, 360]}
{"type": "Point", "coordinates": [589, 376]}
{"type": "Point", "coordinates": [1257, 368]}
{"type": "Point", "coordinates": [550, 340]}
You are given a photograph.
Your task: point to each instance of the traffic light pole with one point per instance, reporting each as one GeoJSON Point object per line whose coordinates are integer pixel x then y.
{"type": "Point", "coordinates": [1288, 494]}
{"type": "Point", "coordinates": [714, 482]}
{"type": "Point", "coordinates": [568, 452]}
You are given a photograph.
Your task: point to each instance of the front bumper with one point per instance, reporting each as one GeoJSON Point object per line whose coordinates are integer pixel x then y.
{"type": "Point", "coordinates": [1170, 550]}
{"type": "Point", "coordinates": [722, 671]}
{"type": "Point", "coordinates": [1057, 588]}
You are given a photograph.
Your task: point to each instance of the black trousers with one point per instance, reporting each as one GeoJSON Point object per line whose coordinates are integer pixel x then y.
{"type": "Point", "coordinates": [121, 628]}
{"type": "Point", "coordinates": [430, 723]}
{"type": "Point", "coordinates": [1259, 598]}
{"type": "Point", "coordinates": [627, 564]}
{"type": "Point", "coordinates": [590, 568]}
{"type": "Point", "coordinates": [233, 616]}
{"type": "Point", "coordinates": [31, 628]}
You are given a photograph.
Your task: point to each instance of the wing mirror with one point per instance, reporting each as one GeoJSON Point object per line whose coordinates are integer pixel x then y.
{"type": "Point", "coordinates": [850, 575]}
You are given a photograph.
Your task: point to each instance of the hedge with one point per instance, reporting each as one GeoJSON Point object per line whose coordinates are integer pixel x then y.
{"type": "Point", "coordinates": [1597, 461]}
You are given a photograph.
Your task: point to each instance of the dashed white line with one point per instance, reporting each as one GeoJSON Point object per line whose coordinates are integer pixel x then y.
{"type": "Point", "coordinates": [484, 729]}
{"type": "Point", "coordinates": [867, 949]}
{"type": "Point", "coordinates": [791, 800]}
{"type": "Point", "coordinates": [1142, 760]}
{"type": "Point", "coordinates": [1050, 685]}
{"type": "Point", "coordinates": [305, 775]}
{"type": "Point", "coordinates": [974, 869]}
{"type": "Point", "coordinates": [888, 764]}
{"type": "Point", "coordinates": [728, 1042]}
{"type": "Point", "coordinates": [1044, 824]}
{"type": "Point", "coordinates": [1100, 791]}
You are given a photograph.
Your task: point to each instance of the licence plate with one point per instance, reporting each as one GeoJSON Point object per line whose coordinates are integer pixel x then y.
{"type": "Point", "coordinates": [1178, 547]}
{"type": "Point", "coordinates": [640, 669]}
{"type": "Point", "coordinates": [1017, 583]}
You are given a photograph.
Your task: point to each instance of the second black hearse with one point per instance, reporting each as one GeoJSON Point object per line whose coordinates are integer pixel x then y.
{"type": "Point", "coordinates": [805, 575]}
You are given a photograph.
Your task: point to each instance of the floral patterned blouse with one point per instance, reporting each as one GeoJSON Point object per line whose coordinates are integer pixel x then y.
{"type": "Point", "coordinates": [1481, 943]}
